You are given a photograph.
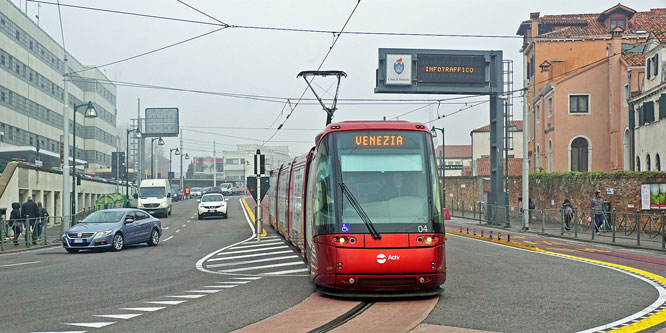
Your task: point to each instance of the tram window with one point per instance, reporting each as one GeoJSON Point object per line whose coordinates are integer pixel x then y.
{"type": "Point", "coordinates": [324, 212]}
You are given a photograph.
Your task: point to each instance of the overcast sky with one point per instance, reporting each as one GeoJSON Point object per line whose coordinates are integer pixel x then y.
{"type": "Point", "coordinates": [258, 62]}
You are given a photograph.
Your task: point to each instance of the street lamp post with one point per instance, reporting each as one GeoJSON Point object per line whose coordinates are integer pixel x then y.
{"type": "Point", "coordinates": [434, 134]}
{"type": "Point", "coordinates": [136, 135]}
{"type": "Point", "coordinates": [90, 113]}
{"type": "Point", "coordinates": [152, 155]}
{"type": "Point", "coordinates": [177, 153]}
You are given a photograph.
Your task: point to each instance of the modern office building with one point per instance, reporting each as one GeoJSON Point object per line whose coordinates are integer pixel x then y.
{"type": "Point", "coordinates": [32, 68]}
{"type": "Point", "coordinates": [239, 164]}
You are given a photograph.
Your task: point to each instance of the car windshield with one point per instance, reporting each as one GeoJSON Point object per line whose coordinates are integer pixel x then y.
{"type": "Point", "coordinates": [225, 186]}
{"type": "Point", "coordinates": [212, 198]}
{"type": "Point", "coordinates": [104, 217]}
{"type": "Point", "coordinates": [152, 192]}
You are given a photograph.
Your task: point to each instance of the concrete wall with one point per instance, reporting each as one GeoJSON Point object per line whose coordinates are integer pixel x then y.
{"type": "Point", "coordinates": [46, 186]}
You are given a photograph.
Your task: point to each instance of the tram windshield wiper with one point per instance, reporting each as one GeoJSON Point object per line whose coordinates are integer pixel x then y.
{"type": "Point", "coordinates": [359, 210]}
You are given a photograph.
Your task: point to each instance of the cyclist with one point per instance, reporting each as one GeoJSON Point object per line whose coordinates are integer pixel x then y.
{"type": "Point", "coordinates": [597, 209]}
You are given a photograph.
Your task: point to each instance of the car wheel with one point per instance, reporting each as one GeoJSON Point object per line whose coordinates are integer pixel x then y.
{"type": "Point", "coordinates": [200, 217]}
{"type": "Point", "coordinates": [169, 211]}
{"type": "Point", "coordinates": [225, 216]}
{"type": "Point", "coordinates": [72, 250]}
{"type": "Point", "coordinates": [118, 242]}
{"type": "Point", "coordinates": [154, 238]}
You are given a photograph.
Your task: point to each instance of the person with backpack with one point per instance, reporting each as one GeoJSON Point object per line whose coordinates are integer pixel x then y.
{"type": "Point", "coordinates": [567, 213]}
{"type": "Point", "coordinates": [15, 221]}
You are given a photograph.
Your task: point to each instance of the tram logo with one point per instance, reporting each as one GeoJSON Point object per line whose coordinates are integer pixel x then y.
{"type": "Point", "coordinates": [399, 66]}
{"type": "Point", "coordinates": [381, 258]}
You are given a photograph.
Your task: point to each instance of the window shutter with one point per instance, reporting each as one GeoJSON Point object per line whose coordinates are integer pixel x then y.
{"type": "Point", "coordinates": [662, 106]}
{"type": "Point", "coordinates": [632, 118]}
{"type": "Point", "coordinates": [641, 118]}
{"type": "Point", "coordinates": [648, 109]}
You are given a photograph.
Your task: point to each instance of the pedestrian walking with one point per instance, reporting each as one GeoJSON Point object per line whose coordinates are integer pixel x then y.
{"type": "Point", "coordinates": [15, 221]}
{"type": "Point", "coordinates": [532, 207]}
{"type": "Point", "coordinates": [43, 215]}
{"type": "Point", "coordinates": [567, 210]}
{"type": "Point", "coordinates": [597, 210]}
{"type": "Point", "coordinates": [30, 212]}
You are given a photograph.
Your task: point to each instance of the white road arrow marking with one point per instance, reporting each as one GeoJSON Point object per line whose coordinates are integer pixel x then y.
{"type": "Point", "coordinates": [146, 309]}
{"type": "Point", "coordinates": [187, 296]}
{"type": "Point", "coordinates": [166, 302]}
{"type": "Point", "coordinates": [120, 316]}
{"type": "Point", "coordinates": [98, 324]}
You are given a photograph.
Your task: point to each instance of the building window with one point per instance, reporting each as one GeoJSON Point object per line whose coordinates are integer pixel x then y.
{"type": "Point", "coordinates": [657, 163]}
{"type": "Point", "coordinates": [2, 59]}
{"type": "Point", "coordinates": [538, 158]}
{"type": "Point", "coordinates": [617, 23]}
{"type": "Point", "coordinates": [647, 162]}
{"type": "Point", "coordinates": [550, 106]}
{"type": "Point", "coordinates": [648, 71]}
{"type": "Point", "coordinates": [655, 65]}
{"type": "Point", "coordinates": [579, 103]}
{"type": "Point", "coordinates": [579, 152]}
{"type": "Point", "coordinates": [537, 112]}
{"type": "Point", "coordinates": [550, 156]}
{"type": "Point", "coordinates": [626, 95]}
{"type": "Point", "coordinates": [17, 35]}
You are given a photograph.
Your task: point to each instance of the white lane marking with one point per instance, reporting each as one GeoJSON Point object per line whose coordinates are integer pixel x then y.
{"type": "Point", "coordinates": [98, 324]}
{"type": "Point", "coordinates": [254, 250]}
{"type": "Point", "coordinates": [184, 225]}
{"type": "Point", "coordinates": [222, 286]}
{"type": "Point", "coordinates": [166, 239]}
{"type": "Point", "coordinates": [234, 282]}
{"type": "Point", "coordinates": [272, 243]}
{"type": "Point", "coordinates": [251, 255]}
{"type": "Point", "coordinates": [188, 221]}
{"type": "Point", "coordinates": [187, 296]}
{"type": "Point", "coordinates": [166, 302]}
{"type": "Point", "coordinates": [120, 316]}
{"type": "Point", "coordinates": [655, 305]}
{"type": "Point", "coordinates": [252, 261]}
{"type": "Point", "coordinates": [21, 264]}
{"type": "Point", "coordinates": [228, 286]}
{"type": "Point", "coordinates": [299, 270]}
{"type": "Point", "coordinates": [202, 291]}
{"type": "Point", "coordinates": [31, 251]}
{"type": "Point", "coordinates": [177, 230]}
{"type": "Point", "coordinates": [62, 332]}
{"type": "Point", "coordinates": [262, 267]}
{"type": "Point", "coordinates": [166, 228]}
{"type": "Point", "coordinates": [145, 309]}
{"type": "Point", "coordinates": [253, 278]}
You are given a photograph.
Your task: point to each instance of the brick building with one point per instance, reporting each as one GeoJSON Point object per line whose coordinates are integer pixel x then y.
{"type": "Point", "coordinates": [577, 73]}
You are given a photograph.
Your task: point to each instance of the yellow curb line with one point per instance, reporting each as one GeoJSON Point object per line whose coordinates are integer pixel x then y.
{"type": "Point", "coordinates": [251, 214]}
{"type": "Point", "coordinates": [643, 324]}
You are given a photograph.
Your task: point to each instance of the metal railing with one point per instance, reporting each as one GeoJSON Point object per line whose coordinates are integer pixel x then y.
{"type": "Point", "coordinates": [29, 232]}
{"type": "Point", "coordinates": [626, 228]}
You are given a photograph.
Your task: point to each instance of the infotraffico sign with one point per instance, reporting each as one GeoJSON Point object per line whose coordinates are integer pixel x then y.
{"type": "Point", "coordinates": [422, 71]}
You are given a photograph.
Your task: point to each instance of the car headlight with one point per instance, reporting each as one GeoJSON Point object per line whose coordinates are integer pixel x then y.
{"type": "Point", "coordinates": [139, 205]}
{"type": "Point", "coordinates": [164, 204]}
{"type": "Point", "coordinates": [103, 233]}
{"type": "Point", "coordinates": [64, 235]}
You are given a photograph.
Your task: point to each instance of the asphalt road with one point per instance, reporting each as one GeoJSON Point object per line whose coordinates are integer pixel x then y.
{"type": "Point", "coordinates": [489, 287]}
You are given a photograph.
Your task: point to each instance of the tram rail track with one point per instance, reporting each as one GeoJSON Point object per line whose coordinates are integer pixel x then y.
{"type": "Point", "coordinates": [344, 318]}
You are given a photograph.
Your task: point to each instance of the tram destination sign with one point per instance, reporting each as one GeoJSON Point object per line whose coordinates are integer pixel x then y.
{"type": "Point", "coordinates": [424, 71]}
{"type": "Point", "coordinates": [161, 122]}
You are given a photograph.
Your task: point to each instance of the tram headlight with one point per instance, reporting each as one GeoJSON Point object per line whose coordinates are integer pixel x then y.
{"type": "Point", "coordinates": [431, 239]}
{"type": "Point", "coordinates": [342, 240]}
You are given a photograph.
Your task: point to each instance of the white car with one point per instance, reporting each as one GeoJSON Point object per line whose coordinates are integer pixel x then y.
{"type": "Point", "coordinates": [212, 204]}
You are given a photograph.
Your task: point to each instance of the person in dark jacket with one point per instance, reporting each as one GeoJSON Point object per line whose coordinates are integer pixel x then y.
{"type": "Point", "coordinates": [15, 221]}
{"type": "Point", "coordinates": [567, 213]}
{"type": "Point", "coordinates": [43, 215]}
{"type": "Point", "coordinates": [30, 212]}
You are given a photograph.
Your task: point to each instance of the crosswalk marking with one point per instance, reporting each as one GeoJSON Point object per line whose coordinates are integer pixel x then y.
{"type": "Point", "coordinates": [299, 270]}
{"type": "Point", "coordinates": [252, 255]}
{"type": "Point", "coordinates": [244, 246]}
{"type": "Point", "coordinates": [202, 291]}
{"type": "Point", "coordinates": [166, 302]}
{"type": "Point", "coordinates": [187, 296]}
{"type": "Point", "coordinates": [252, 261]}
{"type": "Point", "coordinates": [98, 324]}
{"type": "Point", "coordinates": [261, 267]}
{"type": "Point", "coordinates": [120, 316]}
{"type": "Point", "coordinates": [254, 250]}
{"type": "Point", "coordinates": [145, 309]}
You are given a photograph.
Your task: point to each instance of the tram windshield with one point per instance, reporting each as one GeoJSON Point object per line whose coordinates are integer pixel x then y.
{"type": "Point", "coordinates": [390, 175]}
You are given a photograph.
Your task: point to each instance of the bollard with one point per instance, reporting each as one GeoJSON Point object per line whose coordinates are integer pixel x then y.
{"type": "Point", "coordinates": [460, 228]}
{"type": "Point", "coordinates": [490, 236]}
{"type": "Point", "coordinates": [463, 208]}
{"type": "Point", "coordinates": [480, 208]}
{"type": "Point", "coordinates": [499, 236]}
{"type": "Point", "coordinates": [613, 218]}
{"type": "Point", "coordinates": [481, 232]}
{"type": "Point", "coordinates": [543, 222]}
{"type": "Point", "coordinates": [508, 237]}
{"type": "Point", "coordinates": [474, 211]}
{"type": "Point", "coordinates": [468, 230]}
{"type": "Point", "coordinates": [474, 231]}
{"type": "Point", "coordinates": [638, 229]}
{"type": "Point", "coordinates": [663, 235]}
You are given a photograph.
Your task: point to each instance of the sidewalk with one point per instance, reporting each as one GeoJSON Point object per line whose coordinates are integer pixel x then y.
{"type": "Point", "coordinates": [630, 239]}
{"type": "Point", "coordinates": [50, 237]}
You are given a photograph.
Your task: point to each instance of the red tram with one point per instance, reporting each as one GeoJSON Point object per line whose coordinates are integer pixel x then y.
{"type": "Point", "coordinates": [364, 208]}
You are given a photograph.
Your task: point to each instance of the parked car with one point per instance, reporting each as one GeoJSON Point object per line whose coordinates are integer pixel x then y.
{"type": "Point", "coordinates": [212, 204]}
{"type": "Point", "coordinates": [227, 189]}
{"type": "Point", "coordinates": [210, 190]}
{"type": "Point", "coordinates": [113, 228]}
{"type": "Point", "coordinates": [195, 192]}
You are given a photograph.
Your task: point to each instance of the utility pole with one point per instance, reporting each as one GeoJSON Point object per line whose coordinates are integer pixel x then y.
{"type": "Point", "coordinates": [182, 175]}
{"type": "Point", "coordinates": [140, 146]}
{"type": "Point", "coordinates": [66, 204]}
{"type": "Point", "coordinates": [214, 166]}
{"type": "Point", "coordinates": [526, 133]}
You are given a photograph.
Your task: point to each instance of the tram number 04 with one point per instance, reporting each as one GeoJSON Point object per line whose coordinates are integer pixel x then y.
{"type": "Point", "coordinates": [423, 228]}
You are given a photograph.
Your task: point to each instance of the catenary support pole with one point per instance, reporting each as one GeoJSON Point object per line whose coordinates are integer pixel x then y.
{"type": "Point", "coordinates": [526, 135]}
{"type": "Point", "coordinates": [214, 166]}
{"type": "Point", "coordinates": [65, 153]}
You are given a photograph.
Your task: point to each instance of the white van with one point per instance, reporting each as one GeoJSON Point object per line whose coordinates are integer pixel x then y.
{"type": "Point", "coordinates": [155, 197]}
